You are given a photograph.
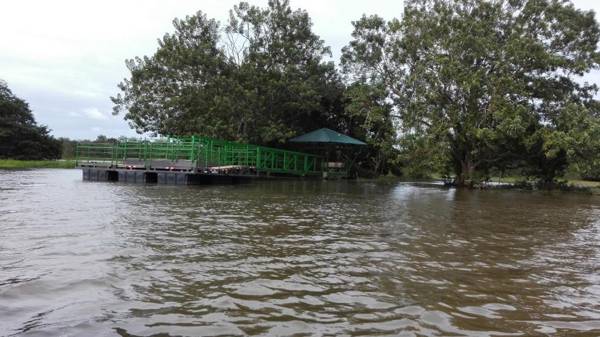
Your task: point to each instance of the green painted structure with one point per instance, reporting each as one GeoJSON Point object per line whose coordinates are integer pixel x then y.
{"type": "Point", "coordinates": [328, 142]}
{"type": "Point", "coordinates": [327, 136]}
{"type": "Point", "coordinates": [198, 155]}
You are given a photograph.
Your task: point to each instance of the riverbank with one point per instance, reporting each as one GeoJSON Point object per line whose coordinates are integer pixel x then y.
{"type": "Point", "coordinates": [585, 185]}
{"type": "Point", "coordinates": [512, 182]}
{"type": "Point", "coordinates": [564, 184]}
{"type": "Point", "coordinates": [31, 164]}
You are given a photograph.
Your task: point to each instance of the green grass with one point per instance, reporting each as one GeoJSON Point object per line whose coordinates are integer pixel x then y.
{"type": "Point", "coordinates": [574, 182]}
{"type": "Point", "coordinates": [585, 183]}
{"type": "Point", "coordinates": [29, 164]}
{"type": "Point", "coordinates": [570, 183]}
{"type": "Point", "coordinates": [592, 187]}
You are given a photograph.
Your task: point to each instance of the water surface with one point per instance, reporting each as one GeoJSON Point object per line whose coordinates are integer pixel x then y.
{"type": "Point", "coordinates": [293, 258]}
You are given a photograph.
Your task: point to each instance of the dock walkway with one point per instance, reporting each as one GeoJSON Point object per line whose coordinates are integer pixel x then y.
{"type": "Point", "coordinates": [190, 160]}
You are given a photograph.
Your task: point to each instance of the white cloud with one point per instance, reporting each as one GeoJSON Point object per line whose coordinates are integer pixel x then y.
{"type": "Point", "coordinates": [94, 113]}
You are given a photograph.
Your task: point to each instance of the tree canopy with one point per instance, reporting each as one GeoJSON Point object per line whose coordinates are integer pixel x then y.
{"type": "Point", "coordinates": [261, 79]}
{"type": "Point", "coordinates": [20, 136]}
{"type": "Point", "coordinates": [496, 83]}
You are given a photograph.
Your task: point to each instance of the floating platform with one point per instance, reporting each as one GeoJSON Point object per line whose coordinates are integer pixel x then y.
{"type": "Point", "coordinates": [161, 177]}
{"type": "Point", "coordinates": [192, 161]}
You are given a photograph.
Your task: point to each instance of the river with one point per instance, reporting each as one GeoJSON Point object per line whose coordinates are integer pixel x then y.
{"type": "Point", "coordinates": [301, 258]}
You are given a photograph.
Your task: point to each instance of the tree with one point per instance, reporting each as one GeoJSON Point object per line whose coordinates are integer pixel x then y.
{"type": "Point", "coordinates": [286, 87]}
{"type": "Point", "coordinates": [184, 87]}
{"type": "Point", "coordinates": [369, 116]}
{"type": "Point", "coordinates": [497, 82]}
{"type": "Point", "coordinates": [20, 136]}
{"type": "Point", "coordinates": [265, 82]}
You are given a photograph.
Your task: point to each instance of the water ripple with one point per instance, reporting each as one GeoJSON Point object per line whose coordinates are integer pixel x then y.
{"type": "Point", "coordinates": [299, 258]}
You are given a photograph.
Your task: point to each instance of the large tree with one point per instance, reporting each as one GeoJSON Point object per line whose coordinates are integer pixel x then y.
{"type": "Point", "coordinates": [264, 80]}
{"type": "Point", "coordinates": [184, 87]}
{"type": "Point", "coordinates": [498, 83]}
{"type": "Point", "coordinates": [287, 87]}
{"type": "Point", "coordinates": [20, 136]}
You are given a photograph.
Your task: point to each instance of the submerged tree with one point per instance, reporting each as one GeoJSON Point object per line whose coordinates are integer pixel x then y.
{"type": "Point", "coordinates": [496, 82]}
{"type": "Point", "coordinates": [20, 136]}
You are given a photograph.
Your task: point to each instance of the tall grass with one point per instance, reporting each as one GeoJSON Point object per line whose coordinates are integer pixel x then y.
{"type": "Point", "coordinates": [27, 164]}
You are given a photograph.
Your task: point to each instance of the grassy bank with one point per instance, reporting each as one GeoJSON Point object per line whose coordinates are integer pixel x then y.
{"type": "Point", "coordinates": [29, 164]}
{"type": "Point", "coordinates": [567, 183]}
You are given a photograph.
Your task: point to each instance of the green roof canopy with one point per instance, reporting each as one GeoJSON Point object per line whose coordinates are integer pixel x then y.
{"type": "Point", "coordinates": [325, 135]}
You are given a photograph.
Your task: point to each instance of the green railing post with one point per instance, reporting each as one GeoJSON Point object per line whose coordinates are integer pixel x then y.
{"type": "Point", "coordinates": [145, 154]}
{"type": "Point", "coordinates": [193, 148]}
{"type": "Point", "coordinates": [272, 160]}
{"type": "Point", "coordinates": [305, 164]}
{"type": "Point", "coordinates": [77, 154]}
{"type": "Point", "coordinates": [295, 156]}
{"type": "Point", "coordinates": [258, 160]}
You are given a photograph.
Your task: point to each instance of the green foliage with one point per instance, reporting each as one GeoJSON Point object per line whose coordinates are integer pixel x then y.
{"type": "Point", "coordinates": [369, 117]}
{"type": "Point", "coordinates": [498, 82]}
{"type": "Point", "coordinates": [286, 87]}
{"type": "Point", "coordinates": [264, 81]}
{"type": "Point", "coordinates": [184, 87]}
{"type": "Point", "coordinates": [29, 164]}
{"type": "Point", "coordinates": [422, 157]}
{"type": "Point", "coordinates": [20, 136]}
{"type": "Point", "coordinates": [68, 147]}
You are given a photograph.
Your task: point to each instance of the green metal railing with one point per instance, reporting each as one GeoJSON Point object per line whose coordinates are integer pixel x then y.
{"type": "Point", "coordinates": [197, 154]}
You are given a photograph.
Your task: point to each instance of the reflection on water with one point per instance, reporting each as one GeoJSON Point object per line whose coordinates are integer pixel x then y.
{"type": "Point", "coordinates": [293, 258]}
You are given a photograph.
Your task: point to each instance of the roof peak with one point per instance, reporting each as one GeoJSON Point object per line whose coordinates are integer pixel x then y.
{"type": "Point", "coordinates": [326, 135]}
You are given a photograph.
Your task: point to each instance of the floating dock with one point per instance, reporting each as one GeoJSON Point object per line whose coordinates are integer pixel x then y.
{"type": "Point", "coordinates": [191, 161]}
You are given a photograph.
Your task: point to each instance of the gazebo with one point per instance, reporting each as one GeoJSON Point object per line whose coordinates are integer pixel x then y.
{"type": "Point", "coordinates": [328, 140]}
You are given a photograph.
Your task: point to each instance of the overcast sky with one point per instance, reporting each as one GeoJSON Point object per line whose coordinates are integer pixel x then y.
{"type": "Point", "coordinates": [66, 57]}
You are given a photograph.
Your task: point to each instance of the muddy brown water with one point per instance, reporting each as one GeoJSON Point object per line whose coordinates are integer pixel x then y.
{"type": "Point", "coordinates": [293, 258]}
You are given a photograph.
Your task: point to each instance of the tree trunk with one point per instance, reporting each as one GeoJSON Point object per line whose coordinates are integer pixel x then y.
{"type": "Point", "coordinates": [464, 166]}
{"type": "Point", "coordinates": [465, 170]}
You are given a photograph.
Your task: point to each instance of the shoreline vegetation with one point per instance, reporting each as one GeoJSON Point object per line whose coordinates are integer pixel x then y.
{"type": "Point", "coordinates": [9, 164]}
{"type": "Point", "coordinates": [521, 183]}
{"type": "Point", "coordinates": [566, 184]}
